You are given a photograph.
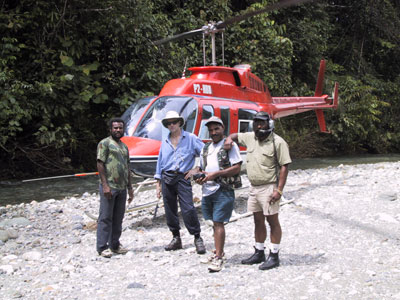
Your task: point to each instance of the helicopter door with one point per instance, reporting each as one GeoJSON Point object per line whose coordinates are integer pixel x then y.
{"type": "Point", "coordinates": [208, 112]}
{"type": "Point", "coordinates": [225, 117]}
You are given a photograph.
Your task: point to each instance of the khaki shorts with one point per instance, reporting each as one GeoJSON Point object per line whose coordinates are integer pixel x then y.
{"type": "Point", "coordinates": [259, 199]}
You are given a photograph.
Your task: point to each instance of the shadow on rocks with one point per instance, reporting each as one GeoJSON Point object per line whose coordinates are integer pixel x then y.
{"type": "Point", "coordinates": [285, 259]}
{"type": "Point", "coordinates": [146, 248]}
{"type": "Point", "coordinates": [302, 260]}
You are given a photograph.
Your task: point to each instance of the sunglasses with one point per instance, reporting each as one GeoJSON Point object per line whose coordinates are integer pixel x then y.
{"type": "Point", "coordinates": [171, 122]}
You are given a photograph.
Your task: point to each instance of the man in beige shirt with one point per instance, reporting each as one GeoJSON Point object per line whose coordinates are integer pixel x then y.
{"type": "Point", "coordinates": [267, 169]}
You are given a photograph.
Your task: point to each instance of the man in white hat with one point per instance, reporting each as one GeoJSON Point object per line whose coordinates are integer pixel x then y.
{"type": "Point", "coordinates": [173, 173]}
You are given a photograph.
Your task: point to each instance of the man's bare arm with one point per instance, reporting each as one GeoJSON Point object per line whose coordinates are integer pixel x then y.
{"type": "Point", "coordinates": [229, 141]}
{"type": "Point", "coordinates": [130, 189]}
{"type": "Point", "coordinates": [233, 170]}
{"type": "Point", "coordinates": [102, 173]}
{"type": "Point", "coordinates": [277, 193]}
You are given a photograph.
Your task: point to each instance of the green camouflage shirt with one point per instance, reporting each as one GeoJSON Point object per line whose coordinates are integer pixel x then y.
{"type": "Point", "coordinates": [115, 157]}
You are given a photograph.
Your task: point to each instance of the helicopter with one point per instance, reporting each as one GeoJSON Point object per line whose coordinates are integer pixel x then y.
{"type": "Point", "coordinates": [234, 94]}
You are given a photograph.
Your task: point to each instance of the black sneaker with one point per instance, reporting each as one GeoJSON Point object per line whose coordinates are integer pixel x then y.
{"type": "Point", "coordinates": [199, 244]}
{"type": "Point", "coordinates": [256, 258]}
{"type": "Point", "coordinates": [271, 262]}
{"type": "Point", "coordinates": [175, 244]}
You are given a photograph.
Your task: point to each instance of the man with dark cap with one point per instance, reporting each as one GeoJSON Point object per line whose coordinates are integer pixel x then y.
{"type": "Point", "coordinates": [267, 169]}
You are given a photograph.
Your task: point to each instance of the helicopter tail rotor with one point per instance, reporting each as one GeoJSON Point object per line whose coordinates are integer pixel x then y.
{"type": "Point", "coordinates": [318, 93]}
{"type": "Point", "coordinates": [320, 79]}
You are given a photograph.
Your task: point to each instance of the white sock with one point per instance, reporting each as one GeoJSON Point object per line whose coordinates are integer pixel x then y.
{"type": "Point", "coordinates": [260, 246]}
{"type": "Point", "coordinates": [274, 247]}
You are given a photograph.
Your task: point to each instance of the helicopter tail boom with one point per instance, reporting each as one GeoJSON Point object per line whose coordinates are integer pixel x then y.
{"type": "Point", "coordinates": [284, 106]}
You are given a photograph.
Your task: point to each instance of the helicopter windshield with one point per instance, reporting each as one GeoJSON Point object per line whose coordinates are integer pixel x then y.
{"type": "Point", "coordinates": [151, 126]}
{"type": "Point", "coordinates": [132, 114]}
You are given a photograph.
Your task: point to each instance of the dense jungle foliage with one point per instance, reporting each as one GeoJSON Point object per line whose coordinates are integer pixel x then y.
{"type": "Point", "coordinates": [66, 66]}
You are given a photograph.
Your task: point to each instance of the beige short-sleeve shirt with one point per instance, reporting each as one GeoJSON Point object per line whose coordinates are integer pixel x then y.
{"type": "Point", "coordinates": [261, 159]}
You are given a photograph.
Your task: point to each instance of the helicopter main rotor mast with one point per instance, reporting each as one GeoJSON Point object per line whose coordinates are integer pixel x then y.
{"type": "Point", "coordinates": [211, 29]}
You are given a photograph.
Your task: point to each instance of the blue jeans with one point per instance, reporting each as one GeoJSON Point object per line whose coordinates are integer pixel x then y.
{"type": "Point", "coordinates": [218, 206]}
{"type": "Point", "coordinates": [180, 191]}
{"type": "Point", "coordinates": [109, 223]}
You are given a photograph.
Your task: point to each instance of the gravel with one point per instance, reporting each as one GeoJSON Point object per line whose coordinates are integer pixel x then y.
{"type": "Point", "coordinates": [341, 240]}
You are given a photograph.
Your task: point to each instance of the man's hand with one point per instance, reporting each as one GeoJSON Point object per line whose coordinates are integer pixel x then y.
{"type": "Point", "coordinates": [107, 191]}
{"type": "Point", "coordinates": [228, 143]}
{"type": "Point", "coordinates": [130, 193]}
{"type": "Point", "coordinates": [158, 189]}
{"type": "Point", "coordinates": [210, 176]}
{"type": "Point", "coordinates": [191, 172]}
{"type": "Point", "coordinates": [198, 177]}
{"type": "Point", "coordinates": [274, 197]}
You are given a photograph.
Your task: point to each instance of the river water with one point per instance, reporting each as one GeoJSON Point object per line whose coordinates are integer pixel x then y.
{"type": "Point", "coordinates": [15, 192]}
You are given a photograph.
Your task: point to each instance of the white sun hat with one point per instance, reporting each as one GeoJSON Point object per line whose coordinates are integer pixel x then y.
{"type": "Point", "coordinates": [171, 115]}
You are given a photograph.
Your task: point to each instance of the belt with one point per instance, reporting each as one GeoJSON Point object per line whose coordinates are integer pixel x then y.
{"type": "Point", "coordinates": [173, 172]}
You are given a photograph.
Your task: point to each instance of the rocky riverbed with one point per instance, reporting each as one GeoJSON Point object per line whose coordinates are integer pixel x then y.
{"type": "Point", "coordinates": [341, 240]}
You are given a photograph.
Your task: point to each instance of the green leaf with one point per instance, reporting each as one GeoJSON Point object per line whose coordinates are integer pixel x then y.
{"type": "Point", "coordinates": [98, 90]}
{"type": "Point", "coordinates": [66, 60]}
{"type": "Point", "coordinates": [69, 77]}
{"type": "Point", "coordinates": [86, 95]}
{"type": "Point", "coordinates": [100, 99]}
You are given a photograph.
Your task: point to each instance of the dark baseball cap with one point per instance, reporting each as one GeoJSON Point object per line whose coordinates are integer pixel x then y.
{"type": "Point", "coordinates": [262, 115]}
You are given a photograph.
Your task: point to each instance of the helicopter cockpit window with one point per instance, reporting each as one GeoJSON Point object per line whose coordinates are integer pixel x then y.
{"type": "Point", "coordinates": [132, 114]}
{"type": "Point", "coordinates": [246, 119]}
{"type": "Point", "coordinates": [150, 126]}
{"type": "Point", "coordinates": [208, 112]}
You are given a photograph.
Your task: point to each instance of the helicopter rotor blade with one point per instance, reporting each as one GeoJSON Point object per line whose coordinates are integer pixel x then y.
{"type": "Point", "coordinates": [221, 25]}
{"type": "Point", "coordinates": [275, 6]}
{"type": "Point", "coordinates": [180, 36]}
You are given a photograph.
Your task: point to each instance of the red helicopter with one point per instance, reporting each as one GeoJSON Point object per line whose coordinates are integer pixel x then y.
{"type": "Point", "coordinates": [233, 94]}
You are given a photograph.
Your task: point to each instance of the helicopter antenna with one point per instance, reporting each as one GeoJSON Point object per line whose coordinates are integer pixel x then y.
{"type": "Point", "coordinates": [204, 50]}
{"type": "Point", "coordinates": [223, 49]}
{"type": "Point", "coordinates": [184, 69]}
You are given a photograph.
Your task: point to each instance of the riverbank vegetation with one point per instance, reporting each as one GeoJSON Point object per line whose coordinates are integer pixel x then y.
{"type": "Point", "coordinates": [66, 66]}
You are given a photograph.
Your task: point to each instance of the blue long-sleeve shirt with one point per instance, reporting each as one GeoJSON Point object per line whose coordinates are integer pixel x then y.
{"type": "Point", "coordinates": [180, 159]}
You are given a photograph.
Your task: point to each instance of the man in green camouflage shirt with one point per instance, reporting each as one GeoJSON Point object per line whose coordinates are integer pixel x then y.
{"type": "Point", "coordinates": [113, 167]}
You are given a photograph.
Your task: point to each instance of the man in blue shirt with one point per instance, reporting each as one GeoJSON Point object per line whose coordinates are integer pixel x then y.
{"type": "Point", "coordinates": [174, 170]}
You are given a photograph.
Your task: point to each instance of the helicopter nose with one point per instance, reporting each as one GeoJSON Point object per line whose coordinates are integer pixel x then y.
{"type": "Point", "coordinates": [143, 154]}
